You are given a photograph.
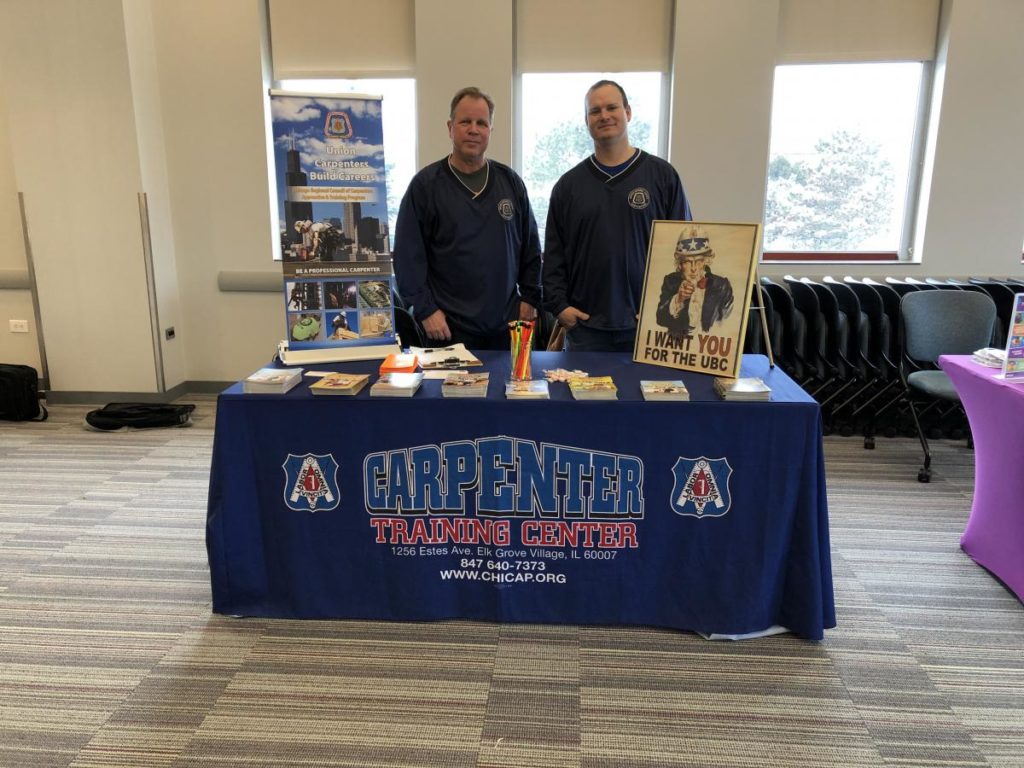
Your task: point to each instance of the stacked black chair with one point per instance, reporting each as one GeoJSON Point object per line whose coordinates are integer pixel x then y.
{"type": "Point", "coordinates": [943, 285]}
{"type": "Point", "coordinates": [890, 413]}
{"type": "Point", "coordinates": [788, 331]}
{"type": "Point", "coordinates": [881, 346]}
{"type": "Point", "coordinates": [1002, 295]}
{"type": "Point", "coordinates": [864, 367]}
{"type": "Point", "coordinates": [774, 339]}
{"type": "Point", "coordinates": [822, 344]}
{"type": "Point", "coordinates": [1014, 282]}
{"type": "Point", "coordinates": [753, 337]}
{"type": "Point", "coordinates": [902, 287]}
{"type": "Point", "coordinates": [410, 332]}
{"type": "Point", "coordinates": [938, 323]}
{"type": "Point", "coordinates": [837, 350]}
{"type": "Point", "coordinates": [754, 340]}
{"type": "Point", "coordinates": [543, 332]}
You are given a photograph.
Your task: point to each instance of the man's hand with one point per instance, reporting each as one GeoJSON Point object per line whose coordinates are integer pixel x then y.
{"type": "Point", "coordinates": [686, 290]}
{"type": "Point", "coordinates": [527, 311]}
{"type": "Point", "coordinates": [436, 327]}
{"type": "Point", "coordinates": [570, 316]}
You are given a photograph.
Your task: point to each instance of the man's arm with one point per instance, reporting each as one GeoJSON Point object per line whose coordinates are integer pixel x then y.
{"type": "Point", "coordinates": [410, 259]}
{"type": "Point", "coordinates": [530, 261]}
{"type": "Point", "coordinates": [555, 269]}
{"type": "Point", "coordinates": [678, 206]}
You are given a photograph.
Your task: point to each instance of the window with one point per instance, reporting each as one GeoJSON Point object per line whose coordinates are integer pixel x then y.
{"type": "Point", "coordinates": [554, 131]}
{"type": "Point", "coordinates": [842, 173]}
{"type": "Point", "coordinates": [399, 122]}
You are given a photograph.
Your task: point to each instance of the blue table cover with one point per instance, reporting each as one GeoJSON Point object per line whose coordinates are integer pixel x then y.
{"type": "Point", "coordinates": [705, 515]}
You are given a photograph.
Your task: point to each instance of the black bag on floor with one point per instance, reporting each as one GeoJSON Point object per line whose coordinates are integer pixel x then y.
{"type": "Point", "coordinates": [19, 394]}
{"type": "Point", "coordinates": [140, 416]}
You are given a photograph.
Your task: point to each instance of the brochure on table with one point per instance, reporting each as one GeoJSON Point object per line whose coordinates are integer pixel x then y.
{"type": "Point", "coordinates": [337, 275]}
{"type": "Point", "coordinates": [1013, 365]}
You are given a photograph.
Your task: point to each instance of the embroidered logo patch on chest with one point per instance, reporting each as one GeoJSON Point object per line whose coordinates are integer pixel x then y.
{"type": "Point", "coordinates": [506, 209]}
{"type": "Point", "coordinates": [639, 198]}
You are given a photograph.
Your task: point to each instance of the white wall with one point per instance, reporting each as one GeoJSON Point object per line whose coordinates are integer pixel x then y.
{"type": "Point", "coordinates": [104, 99]}
{"type": "Point", "coordinates": [72, 136]}
{"type": "Point", "coordinates": [722, 77]}
{"type": "Point", "coordinates": [213, 89]}
{"type": "Point", "coordinates": [461, 47]}
{"type": "Point", "coordinates": [147, 101]}
{"type": "Point", "coordinates": [15, 303]}
{"type": "Point", "coordinates": [975, 211]}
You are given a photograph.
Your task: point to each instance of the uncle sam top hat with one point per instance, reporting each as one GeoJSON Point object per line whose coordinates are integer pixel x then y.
{"type": "Point", "coordinates": [694, 241]}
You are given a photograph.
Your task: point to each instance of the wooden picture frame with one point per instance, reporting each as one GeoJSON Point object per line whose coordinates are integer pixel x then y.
{"type": "Point", "coordinates": [703, 269]}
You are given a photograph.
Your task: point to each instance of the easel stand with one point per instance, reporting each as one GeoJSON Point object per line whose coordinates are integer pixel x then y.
{"type": "Point", "coordinates": [764, 320]}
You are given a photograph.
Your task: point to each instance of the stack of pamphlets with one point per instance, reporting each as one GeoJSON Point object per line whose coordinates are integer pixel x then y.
{"type": "Point", "coordinates": [399, 362]}
{"type": "Point", "coordinates": [990, 357]}
{"type": "Point", "coordinates": [272, 381]}
{"type": "Point", "coordinates": [464, 384]}
{"type": "Point", "coordinates": [526, 389]}
{"type": "Point", "coordinates": [664, 390]}
{"type": "Point", "coordinates": [339, 384]}
{"type": "Point", "coordinates": [593, 388]}
{"type": "Point", "coordinates": [750, 388]}
{"type": "Point", "coordinates": [396, 385]}
{"type": "Point", "coordinates": [455, 356]}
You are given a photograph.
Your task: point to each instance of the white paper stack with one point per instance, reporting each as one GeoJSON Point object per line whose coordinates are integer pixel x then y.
{"type": "Point", "coordinates": [396, 385]}
{"type": "Point", "coordinates": [750, 388]}
{"type": "Point", "coordinates": [272, 381]}
{"type": "Point", "coordinates": [530, 389]}
{"type": "Point", "coordinates": [989, 357]}
{"type": "Point", "coordinates": [464, 384]}
{"type": "Point", "coordinates": [664, 390]}
{"type": "Point", "coordinates": [594, 388]}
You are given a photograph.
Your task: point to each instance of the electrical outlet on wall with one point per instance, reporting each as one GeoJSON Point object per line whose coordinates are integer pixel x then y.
{"type": "Point", "coordinates": [19, 326]}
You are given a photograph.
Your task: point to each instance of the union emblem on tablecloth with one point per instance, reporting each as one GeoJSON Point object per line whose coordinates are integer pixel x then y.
{"type": "Point", "coordinates": [311, 482]}
{"type": "Point", "coordinates": [701, 487]}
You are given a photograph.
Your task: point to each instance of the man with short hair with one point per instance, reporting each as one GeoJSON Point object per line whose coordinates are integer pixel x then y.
{"type": "Point", "coordinates": [693, 296]}
{"type": "Point", "coordinates": [467, 255]}
{"type": "Point", "coordinates": [599, 226]}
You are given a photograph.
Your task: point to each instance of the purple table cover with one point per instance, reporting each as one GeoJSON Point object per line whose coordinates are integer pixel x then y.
{"type": "Point", "coordinates": [994, 536]}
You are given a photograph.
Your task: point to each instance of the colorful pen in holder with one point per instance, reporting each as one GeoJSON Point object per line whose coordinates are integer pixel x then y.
{"type": "Point", "coordinates": [521, 337]}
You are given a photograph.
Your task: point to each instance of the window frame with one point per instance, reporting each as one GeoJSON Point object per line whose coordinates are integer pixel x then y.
{"type": "Point", "coordinates": [905, 253]}
{"type": "Point", "coordinates": [662, 125]}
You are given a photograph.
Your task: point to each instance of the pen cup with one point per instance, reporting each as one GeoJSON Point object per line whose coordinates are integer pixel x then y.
{"type": "Point", "coordinates": [521, 341]}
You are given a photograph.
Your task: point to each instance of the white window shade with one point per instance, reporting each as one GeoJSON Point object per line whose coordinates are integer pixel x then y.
{"type": "Point", "coordinates": [337, 38]}
{"type": "Point", "coordinates": [575, 36]}
{"type": "Point", "coordinates": [823, 31]}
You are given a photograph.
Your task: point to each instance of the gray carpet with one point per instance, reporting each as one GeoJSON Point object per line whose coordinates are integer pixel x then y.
{"type": "Point", "coordinates": [109, 655]}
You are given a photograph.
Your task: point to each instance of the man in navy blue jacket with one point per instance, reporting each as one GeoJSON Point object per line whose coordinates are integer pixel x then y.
{"type": "Point", "coordinates": [599, 226]}
{"type": "Point", "coordinates": [467, 254]}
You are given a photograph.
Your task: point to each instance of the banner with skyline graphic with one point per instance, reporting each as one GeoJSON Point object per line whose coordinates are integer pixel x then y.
{"type": "Point", "coordinates": [337, 275]}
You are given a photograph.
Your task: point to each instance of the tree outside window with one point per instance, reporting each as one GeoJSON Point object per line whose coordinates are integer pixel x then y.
{"type": "Point", "coordinates": [554, 130]}
{"type": "Point", "coordinates": [841, 157]}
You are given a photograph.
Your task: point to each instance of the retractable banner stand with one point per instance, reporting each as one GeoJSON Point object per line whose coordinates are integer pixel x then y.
{"type": "Point", "coordinates": [337, 276]}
